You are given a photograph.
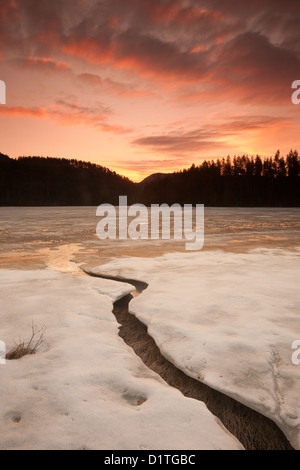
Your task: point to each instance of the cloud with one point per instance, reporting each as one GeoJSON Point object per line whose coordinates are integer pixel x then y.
{"type": "Point", "coordinates": [249, 51]}
{"type": "Point", "coordinates": [68, 113]}
{"type": "Point", "coordinates": [145, 55]}
{"type": "Point", "coordinates": [112, 33]}
{"type": "Point", "coordinates": [231, 50]}
{"type": "Point", "coordinates": [91, 79]}
{"type": "Point", "coordinates": [8, 17]}
{"type": "Point", "coordinates": [139, 94]}
{"type": "Point", "coordinates": [239, 124]}
{"type": "Point", "coordinates": [8, 10]}
{"type": "Point", "coordinates": [74, 113]}
{"type": "Point", "coordinates": [21, 111]}
{"type": "Point", "coordinates": [119, 89]}
{"type": "Point", "coordinates": [152, 57]}
{"type": "Point", "coordinates": [181, 141]}
{"type": "Point", "coordinates": [42, 64]}
{"type": "Point", "coordinates": [251, 68]}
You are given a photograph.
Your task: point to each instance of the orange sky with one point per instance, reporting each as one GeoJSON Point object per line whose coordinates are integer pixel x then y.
{"type": "Point", "coordinates": [142, 86]}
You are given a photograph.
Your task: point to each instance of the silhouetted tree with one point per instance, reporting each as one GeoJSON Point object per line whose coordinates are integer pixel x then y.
{"type": "Point", "coordinates": [242, 181]}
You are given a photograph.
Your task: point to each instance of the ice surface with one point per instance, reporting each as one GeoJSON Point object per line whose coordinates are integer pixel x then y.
{"type": "Point", "coordinates": [228, 320]}
{"type": "Point", "coordinates": [36, 237]}
{"type": "Point", "coordinates": [85, 388]}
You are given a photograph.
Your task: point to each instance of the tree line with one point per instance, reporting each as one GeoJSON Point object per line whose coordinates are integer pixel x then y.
{"type": "Point", "coordinates": [38, 181]}
{"type": "Point", "coordinates": [238, 181]}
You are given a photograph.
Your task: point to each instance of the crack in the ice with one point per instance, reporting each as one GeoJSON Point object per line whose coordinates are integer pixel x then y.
{"type": "Point", "coordinates": [274, 364]}
{"type": "Point", "coordinates": [252, 429]}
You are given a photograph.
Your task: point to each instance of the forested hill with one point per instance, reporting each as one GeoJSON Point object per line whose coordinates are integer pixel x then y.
{"type": "Point", "coordinates": [241, 181]}
{"type": "Point", "coordinates": [36, 181]}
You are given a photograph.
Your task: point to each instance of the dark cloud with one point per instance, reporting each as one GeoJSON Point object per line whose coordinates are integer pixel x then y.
{"type": "Point", "coordinates": [181, 141]}
{"type": "Point", "coordinates": [241, 50]}
{"type": "Point", "coordinates": [254, 69]}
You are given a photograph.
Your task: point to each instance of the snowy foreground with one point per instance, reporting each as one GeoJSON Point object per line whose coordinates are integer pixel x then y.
{"type": "Point", "coordinates": [85, 388]}
{"type": "Point", "coordinates": [228, 320]}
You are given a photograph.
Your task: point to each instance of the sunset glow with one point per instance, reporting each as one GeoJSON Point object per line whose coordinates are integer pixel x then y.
{"type": "Point", "coordinates": [144, 87]}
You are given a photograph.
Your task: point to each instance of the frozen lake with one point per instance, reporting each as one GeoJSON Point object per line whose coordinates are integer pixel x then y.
{"type": "Point", "coordinates": [29, 236]}
{"type": "Point", "coordinates": [225, 315]}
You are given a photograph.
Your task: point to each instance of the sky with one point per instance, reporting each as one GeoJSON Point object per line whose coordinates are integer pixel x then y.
{"type": "Point", "coordinates": [146, 86]}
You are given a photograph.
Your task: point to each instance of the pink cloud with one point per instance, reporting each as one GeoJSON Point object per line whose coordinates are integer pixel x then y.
{"type": "Point", "coordinates": [68, 114]}
{"type": "Point", "coordinates": [43, 63]}
{"type": "Point", "coordinates": [227, 46]}
{"type": "Point", "coordinates": [20, 111]}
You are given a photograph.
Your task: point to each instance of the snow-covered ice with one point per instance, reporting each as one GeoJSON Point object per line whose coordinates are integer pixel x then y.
{"type": "Point", "coordinates": [228, 320]}
{"type": "Point", "coordinates": [226, 315]}
{"type": "Point", "coordinates": [85, 388]}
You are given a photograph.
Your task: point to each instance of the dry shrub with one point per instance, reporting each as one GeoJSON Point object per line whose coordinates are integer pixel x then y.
{"type": "Point", "coordinates": [23, 348]}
